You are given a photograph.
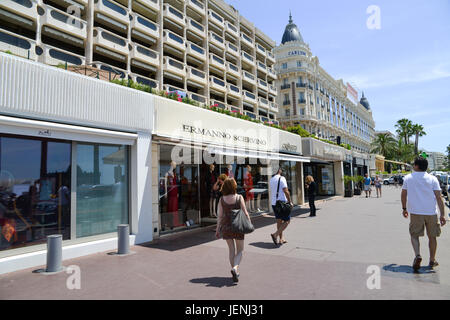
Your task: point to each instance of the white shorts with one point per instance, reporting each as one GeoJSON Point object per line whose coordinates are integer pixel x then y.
{"type": "Point", "coordinates": [367, 188]}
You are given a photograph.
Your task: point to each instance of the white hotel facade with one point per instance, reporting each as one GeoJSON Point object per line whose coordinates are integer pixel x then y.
{"type": "Point", "coordinates": [310, 97]}
{"type": "Point", "coordinates": [204, 49]}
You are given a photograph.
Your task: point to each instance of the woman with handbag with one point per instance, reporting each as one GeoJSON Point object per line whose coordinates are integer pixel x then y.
{"type": "Point", "coordinates": [231, 205]}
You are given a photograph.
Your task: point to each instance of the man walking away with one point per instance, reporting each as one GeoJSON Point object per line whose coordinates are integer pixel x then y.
{"type": "Point", "coordinates": [279, 192]}
{"type": "Point", "coordinates": [367, 187]}
{"type": "Point", "coordinates": [421, 191]}
{"type": "Point", "coordinates": [311, 186]}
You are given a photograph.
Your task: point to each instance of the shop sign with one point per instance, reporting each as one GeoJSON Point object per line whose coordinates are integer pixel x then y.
{"type": "Point", "coordinates": [223, 135]}
{"type": "Point", "coordinates": [289, 148]}
{"type": "Point", "coordinates": [45, 133]}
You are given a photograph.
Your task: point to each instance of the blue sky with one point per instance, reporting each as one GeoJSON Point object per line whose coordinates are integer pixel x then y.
{"type": "Point", "coordinates": [403, 68]}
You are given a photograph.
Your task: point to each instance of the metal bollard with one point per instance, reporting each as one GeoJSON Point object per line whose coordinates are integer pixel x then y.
{"type": "Point", "coordinates": [123, 231]}
{"type": "Point", "coordinates": [54, 253]}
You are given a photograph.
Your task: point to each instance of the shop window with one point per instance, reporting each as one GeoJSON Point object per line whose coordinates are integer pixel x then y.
{"type": "Point", "coordinates": [290, 173]}
{"type": "Point", "coordinates": [102, 188]}
{"type": "Point", "coordinates": [35, 180]}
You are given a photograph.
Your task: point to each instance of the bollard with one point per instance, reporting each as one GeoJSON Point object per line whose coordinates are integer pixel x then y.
{"type": "Point", "coordinates": [123, 231]}
{"type": "Point", "coordinates": [54, 253]}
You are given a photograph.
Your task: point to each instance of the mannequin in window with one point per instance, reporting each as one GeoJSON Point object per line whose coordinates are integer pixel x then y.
{"type": "Point", "coordinates": [211, 180]}
{"type": "Point", "coordinates": [229, 171]}
{"type": "Point", "coordinates": [248, 187]}
{"type": "Point", "coordinates": [172, 193]}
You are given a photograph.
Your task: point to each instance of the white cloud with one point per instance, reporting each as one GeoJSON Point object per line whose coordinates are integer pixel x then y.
{"type": "Point", "coordinates": [405, 73]}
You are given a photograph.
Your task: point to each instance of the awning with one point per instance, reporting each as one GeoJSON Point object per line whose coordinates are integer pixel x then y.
{"type": "Point", "coordinates": [256, 154]}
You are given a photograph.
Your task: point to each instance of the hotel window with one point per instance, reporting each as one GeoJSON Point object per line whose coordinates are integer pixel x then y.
{"type": "Point", "coordinates": [288, 112]}
{"type": "Point", "coordinates": [284, 65]}
{"type": "Point", "coordinates": [299, 64]}
{"type": "Point", "coordinates": [302, 111]}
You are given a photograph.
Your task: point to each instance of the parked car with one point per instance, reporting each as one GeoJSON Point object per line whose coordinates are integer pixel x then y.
{"type": "Point", "coordinates": [391, 180]}
{"type": "Point", "coordinates": [444, 183]}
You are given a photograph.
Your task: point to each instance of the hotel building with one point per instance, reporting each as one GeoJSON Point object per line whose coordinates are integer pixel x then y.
{"type": "Point", "coordinates": [204, 49]}
{"type": "Point", "coordinates": [310, 97]}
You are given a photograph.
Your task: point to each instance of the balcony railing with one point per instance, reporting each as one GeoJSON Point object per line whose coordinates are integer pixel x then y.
{"type": "Point", "coordinates": [287, 103]}
{"type": "Point", "coordinates": [285, 86]}
{"type": "Point", "coordinates": [301, 85]}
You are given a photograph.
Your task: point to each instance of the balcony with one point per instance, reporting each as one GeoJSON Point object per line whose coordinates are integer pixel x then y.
{"type": "Point", "coordinates": [273, 90]}
{"type": "Point", "coordinates": [263, 119]}
{"type": "Point", "coordinates": [195, 51]}
{"type": "Point", "coordinates": [260, 49]}
{"type": "Point", "coordinates": [55, 56]}
{"type": "Point", "coordinates": [144, 55]}
{"type": "Point", "coordinates": [233, 70]}
{"type": "Point", "coordinates": [216, 19]}
{"type": "Point", "coordinates": [301, 85]}
{"type": "Point", "coordinates": [219, 104]}
{"type": "Point", "coordinates": [141, 25]}
{"type": "Point", "coordinates": [112, 10]}
{"type": "Point", "coordinates": [174, 40]}
{"type": "Point", "coordinates": [152, 83]}
{"type": "Point", "coordinates": [152, 4]}
{"type": "Point", "coordinates": [247, 59]}
{"type": "Point", "coordinates": [174, 15]}
{"type": "Point", "coordinates": [246, 40]}
{"type": "Point", "coordinates": [196, 28]}
{"type": "Point", "coordinates": [64, 22]}
{"type": "Point", "coordinates": [231, 29]}
{"type": "Point", "coordinates": [232, 49]}
{"type": "Point", "coordinates": [173, 66]}
{"type": "Point", "coordinates": [233, 91]}
{"type": "Point", "coordinates": [217, 84]}
{"type": "Point", "coordinates": [196, 75]}
{"type": "Point", "coordinates": [216, 40]}
{"type": "Point", "coordinates": [198, 98]}
{"type": "Point", "coordinates": [285, 86]}
{"type": "Point", "coordinates": [26, 9]}
{"type": "Point", "coordinates": [18, 45]}
{"type": "Point", "coordinates": [249, 78]}
{"type": "Point", "coordinates": [302, 101]}
{"type": "Point", "coordinates": [271, 73]}
{"type": "Point", "coordinates": [274, 107]}
{"type": "Point", "coordinates": [286, 102]}
{"type": "Point", "coordinates": [248, 97]}
{"type": "Point", "coordinates": [250, 114]}
{"type": "Point", "coordinates": [197, 6]}
{"type": "Point", "coordinates": [217, 62]}
{"type": "Point", "coordinates": [261, 67]}
{"type": "Point", "coordinates": [263, 85]}
{"type": "Point", "coordinates": [270, 57]}
{"type": "Point", "coordinates": [263, 102]}
{"type": "Point", "coordinates": [110, 41]}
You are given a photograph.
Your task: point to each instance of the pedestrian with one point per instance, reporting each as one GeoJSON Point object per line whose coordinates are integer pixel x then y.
{"type": "Point", "coordinates": [367, 185]}
{"type": "Point", "coordinates": [280, 192]}
{"type": "Point", "coordinates": [229, 201]}
{"type": "Point", "coordinates": [377, 183]}
{"type": "Point", "coordinates": [395, 182]}
{"type": "Point", "coordinates": [311, 186]}
{"type": "Point", "coordinates": [420, 194]}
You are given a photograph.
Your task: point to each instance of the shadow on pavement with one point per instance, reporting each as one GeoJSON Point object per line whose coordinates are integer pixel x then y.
{"type": "Point", "coordinates": [216, 282]}
{"type": "Point", "coordinates": [183, 241]}
{"type": "Point", "coordinates": [407, 269]}
{"type": "Point", "coordinates": [264, 245]}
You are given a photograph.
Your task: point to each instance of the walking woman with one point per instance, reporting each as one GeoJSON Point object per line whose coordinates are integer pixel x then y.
{"type": "Point", "coordinates": [378, 186]}
{"type": "Point", "coordinates": [311, 186]}
{"type": "Point", "coordinates": [230, 200]}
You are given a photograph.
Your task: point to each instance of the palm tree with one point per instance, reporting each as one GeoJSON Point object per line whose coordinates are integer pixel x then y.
{"type": "Point", "coordinates": [404, 129]}
{"type": "Point", "coordinates": [383, 144]}
{"type": "Point", "coordinates": [417, 129]}
{"type": "Point", "coordinates": [404, 152]}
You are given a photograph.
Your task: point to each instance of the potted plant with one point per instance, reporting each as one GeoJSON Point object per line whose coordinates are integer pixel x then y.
{"type": "Point", "coordinates": [348, 186]}
{"type": "Point", "coordinates": [358, 184]}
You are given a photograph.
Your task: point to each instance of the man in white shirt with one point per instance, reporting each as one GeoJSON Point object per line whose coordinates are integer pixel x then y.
{"type": "Point", "coordinates": [420, 194]}
{"type": "Point", "coordinates": [278, 186]}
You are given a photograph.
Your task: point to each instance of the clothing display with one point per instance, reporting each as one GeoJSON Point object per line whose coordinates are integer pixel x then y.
{"type": "Point", "coordinates": [248, 181]}
{"type": "Point", "coordinates": [172, 195]}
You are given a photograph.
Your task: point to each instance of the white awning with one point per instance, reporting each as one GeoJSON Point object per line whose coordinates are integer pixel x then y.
{"type": "Point", "coordinates": [256, 154]}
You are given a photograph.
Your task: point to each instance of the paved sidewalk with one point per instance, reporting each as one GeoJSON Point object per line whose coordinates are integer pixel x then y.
{"type": "Point", "coordinates": [326, 258]}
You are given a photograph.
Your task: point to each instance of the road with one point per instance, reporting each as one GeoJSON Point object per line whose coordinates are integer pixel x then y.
{"type": "Point", "coordinates": [327, 257]}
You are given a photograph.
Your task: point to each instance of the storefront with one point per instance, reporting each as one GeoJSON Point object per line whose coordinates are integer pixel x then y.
{"type": "Point", "coordinates": [326, 166]}
{"type": "Point", "coordinates": [199, 147]}
{"type": "Point", "coordinates": [72, 162]}
{"type": "Point", "coordinates": [360, 164]}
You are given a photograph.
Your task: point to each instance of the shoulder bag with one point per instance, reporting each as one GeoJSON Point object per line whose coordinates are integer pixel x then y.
{"type": "Point", "coordinates": [239, 220]}
{"type": "Point", "coordinates": [283, 208]}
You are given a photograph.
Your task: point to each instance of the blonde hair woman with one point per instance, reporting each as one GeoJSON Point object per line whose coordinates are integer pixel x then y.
{"type": "Point", "coordinates": [235, 241]}
{"type": "Point", "coordinates": [311, 186]}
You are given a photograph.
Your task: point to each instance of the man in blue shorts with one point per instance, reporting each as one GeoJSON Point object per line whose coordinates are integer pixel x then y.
{"type": "Point", "coordinates": [367, 185]}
